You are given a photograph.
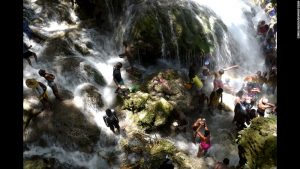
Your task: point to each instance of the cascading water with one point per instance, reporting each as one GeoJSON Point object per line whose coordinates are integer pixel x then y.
{"type": "Point", "coordinates": [99, 52]}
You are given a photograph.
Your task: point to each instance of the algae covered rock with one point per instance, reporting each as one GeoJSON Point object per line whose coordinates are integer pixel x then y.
{"type": "Point", "coordinates": [146, 151]}
{"type": "Point", "coordinates": [258, 144]}
{"type": "Point", "coordinates": [136, 101]}
{"type": "Point", "coordinates": [155, 114]}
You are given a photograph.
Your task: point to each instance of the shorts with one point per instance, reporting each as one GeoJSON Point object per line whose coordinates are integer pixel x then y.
{"type": "Point", "coordinates": [27, 54]}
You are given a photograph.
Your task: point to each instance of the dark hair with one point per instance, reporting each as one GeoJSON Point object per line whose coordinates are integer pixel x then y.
{"type": "Point", "coordinates": [240, 93]}
{"type": "Point", "coordinates": [226, 161]}
{"type": "Point", "coordinates": [206, 133]}
{"type": "Point", "coordinates": [42, 72]}
{"type": "Point", "coordinates": [108, 112]}
{"type": "Point", "coordinates": [221, 71]}
{"type": "Point", "coordinates": [119, 65]}
{"type": "Point", "coordinates": [219, 90]}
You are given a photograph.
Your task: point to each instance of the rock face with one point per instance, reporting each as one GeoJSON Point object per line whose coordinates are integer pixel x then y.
{"type": "Point", "coordinates": [258, 144]}
{"type": "Point", "coordinates": [64, 124]}
{"type": "Point", "coordinates": [167, 30]}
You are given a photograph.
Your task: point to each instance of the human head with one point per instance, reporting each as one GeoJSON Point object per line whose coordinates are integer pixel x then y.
{"type": "Point", "coordinates": [108, 112]}
{"type": "Point", "coordinates": [258, 73]}
{"type": "Point", "coordinates": [206, 133]}
{"type": "Point", "coordinates": [226, 161]}
{"type": "Point", "coordinates": [221, 71]}
{"type": "Point", "coordinates": [265, 100]}
{"type": "Point", "coordinates": [119, 65]}
{"type": "Point", "coordinates": [42, 72]}
{"type": "Point", "coordinates": [31, 83]}
{"type": "Point", "coordinates": [262, 22]}
{"type": "Point", "coordinates": [219, 90]}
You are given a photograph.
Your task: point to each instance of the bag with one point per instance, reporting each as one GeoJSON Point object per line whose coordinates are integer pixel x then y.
{"type": "Point", "coordinates": [188, 85]}
{"type": "Point", "coordinates": [197, 82]}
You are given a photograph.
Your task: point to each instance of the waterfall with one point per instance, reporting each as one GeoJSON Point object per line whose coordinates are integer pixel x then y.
{"type": "Point", "coordinates": [174, 38]}
{"type": "Point", "coordinates": [85, 46]}
{"type": "Point", "coordinates": [241, 29]}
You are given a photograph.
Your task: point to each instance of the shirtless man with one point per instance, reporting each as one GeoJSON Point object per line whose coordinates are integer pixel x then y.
{"type": "Point", "coordinates": [263, 105]}
{"type": "Point", "coordinates": [218, 77]}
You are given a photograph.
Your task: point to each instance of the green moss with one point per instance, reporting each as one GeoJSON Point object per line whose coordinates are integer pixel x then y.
{"type": "Point", "coordinates": [260, 143]}
{"type": "Point", "coordinates": [136, 101]}
{"type": "Point", "coordinates": [146, 119]}
{"type": "Point", "coordinates": [35, 164]}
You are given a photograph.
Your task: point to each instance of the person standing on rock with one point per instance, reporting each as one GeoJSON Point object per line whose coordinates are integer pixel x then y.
{"type": "Point", "coordinates": [50, 81]}
{"type": "Point", "coordinates": [111, 120]}
{"type": "Point", "coordinates": [40, 91]}
{"type": "Point", "coordinates": [117, 76]}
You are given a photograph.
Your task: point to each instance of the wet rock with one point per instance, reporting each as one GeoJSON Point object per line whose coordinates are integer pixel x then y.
{"type": "Point", "coordinates": [91, 96]}
{"type": "Point", "coordinates": [96, 75]}
{"type": "Point", "coordinates": [64, 125]}
{"type": "Point", "coordinates": [258, 144]}
{"type": "Point", "coordinates": [145, 151]}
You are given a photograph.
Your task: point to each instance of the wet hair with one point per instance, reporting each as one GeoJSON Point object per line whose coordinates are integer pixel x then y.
{"type": "Point", "coordinates": [119, 65]}
{"type": "Point", "coordinates": [42, 72]}
{"type": "Point", "coordinates": [219, 90]}
{"type": "Point", "coordinates": [226, 161]}
{"type": "Point", "coordinates": [108, 112]}
{"type": "Point", "coordinates": [267, 26]}
{"type": "Point", "coordinates": [206, 133]}
{"type": "Point", "coordinates": [240, 93]}
{"type": "Point", "coordinates": [221, 71]}
{"type": "Point", "coordinates": [258, 72]}
{"type": "Point", "coordinates": [263, 22]}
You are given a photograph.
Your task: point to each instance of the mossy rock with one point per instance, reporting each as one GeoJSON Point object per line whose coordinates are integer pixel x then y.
{"type": "Point", "coordinates": [188, 34]}
{"type": "Point", "coordinates": [82, 49]}
{"type": "Point", "coordinates": [163, 111]}
{"type": "Point", "coordinates": [258, 143]}
{"type": "Point", "coordinates": [153, 151]}
{"type": "Point", "coordinates": [136, 101]}
{"type": "Point", "coordinates": [35, 164]}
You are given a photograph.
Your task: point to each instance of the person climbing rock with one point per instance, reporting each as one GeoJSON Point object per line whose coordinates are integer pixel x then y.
{"type": "Point", "coordinates": [27, 53]}
{"type": "Point", "coordinates": [222, 165]}
{"type": "Point", "coordinates": [50, 81]}
{"type": "Point", "coordinates": [111, 120]}
{"type": "Point", "coordinates": [40, 90]}
{"type": "Point", "coordinates": [117, 77]}
{"type": "Point", "coordinates": [129, 53]}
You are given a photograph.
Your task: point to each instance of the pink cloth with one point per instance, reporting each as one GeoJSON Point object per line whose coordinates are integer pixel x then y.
{"type": "Point", "coordinates": [205, 146]}
{"type": "Point", "coordinates": [218, 84]}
